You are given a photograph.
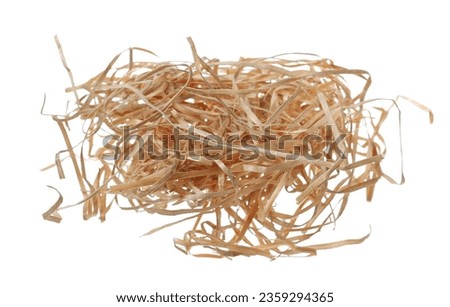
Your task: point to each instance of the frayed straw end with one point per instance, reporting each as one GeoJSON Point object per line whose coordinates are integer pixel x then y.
{"type": "Point", "coordinates": [52, 214]}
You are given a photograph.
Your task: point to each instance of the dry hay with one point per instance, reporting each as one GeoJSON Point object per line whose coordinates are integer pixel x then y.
{"type": "Point", "coordinates": [216, 142]}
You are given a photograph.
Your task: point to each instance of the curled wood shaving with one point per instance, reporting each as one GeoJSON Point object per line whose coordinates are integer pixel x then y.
{"type": "Point", "coordinates": [250, 129]}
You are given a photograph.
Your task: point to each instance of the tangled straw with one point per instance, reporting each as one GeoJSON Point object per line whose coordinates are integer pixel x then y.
{"type": "Point", "coordinates": [218, 141]}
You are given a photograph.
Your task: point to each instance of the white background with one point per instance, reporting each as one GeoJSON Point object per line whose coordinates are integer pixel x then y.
{"type": "Point", "coordinates": [79, 263]}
